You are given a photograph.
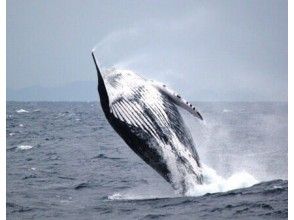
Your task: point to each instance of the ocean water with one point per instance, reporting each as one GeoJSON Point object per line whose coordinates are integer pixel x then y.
{"type": "Point", "coordinates": [64, 161]}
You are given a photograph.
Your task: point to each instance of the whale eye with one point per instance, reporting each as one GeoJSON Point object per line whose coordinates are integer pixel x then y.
{"type": "Point", "coordinates": [179, 96]}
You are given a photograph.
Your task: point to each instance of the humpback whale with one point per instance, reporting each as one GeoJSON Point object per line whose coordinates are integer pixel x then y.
{"type": "Point", "coordinates": [145, 115]}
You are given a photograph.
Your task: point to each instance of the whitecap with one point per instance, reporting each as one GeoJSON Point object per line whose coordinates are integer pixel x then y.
{"type": "Point", "coordinates": [22, 111]}
{"type": "Point", "coordinates": [145, 191]}
{"type": "Point", "coordinates": [115, 196]}
{"type": "Point", "coordinates": [140, 196]}
{"type": "Point", "coordinates": [24, 147]}
{"type": "Point", "coordinates": [226, 110]}
{"type": "Point", "coordinates": [20, 125]}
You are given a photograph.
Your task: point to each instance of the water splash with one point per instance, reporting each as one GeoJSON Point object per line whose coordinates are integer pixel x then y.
{"type": "Point", "coordinates": [214, 183]}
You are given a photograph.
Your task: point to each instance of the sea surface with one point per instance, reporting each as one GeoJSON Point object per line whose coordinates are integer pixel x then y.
{"type": "Point", "coordinates": [64, 161]}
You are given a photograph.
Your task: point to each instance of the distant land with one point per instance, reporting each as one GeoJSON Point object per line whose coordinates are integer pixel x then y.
{"type": "Point", "coordinates": [76, 91]}
{"type": "Point", "coordinates": [87, 91]}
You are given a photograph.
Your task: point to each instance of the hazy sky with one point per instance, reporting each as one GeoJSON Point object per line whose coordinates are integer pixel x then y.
{"type": "Point", "coordinates": [207, 50]}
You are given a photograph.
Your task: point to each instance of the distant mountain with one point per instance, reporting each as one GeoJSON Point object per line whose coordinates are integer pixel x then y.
{"type": "Point", "coordinates": [76, 91]}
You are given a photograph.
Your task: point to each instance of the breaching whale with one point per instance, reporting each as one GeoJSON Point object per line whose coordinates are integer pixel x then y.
{"type": "Point", "coordinates": [145, 115]}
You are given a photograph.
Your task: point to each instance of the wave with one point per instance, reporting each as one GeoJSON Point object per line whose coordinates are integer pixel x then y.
{"type": "Point", "coordinates": [103, 156]}
{"type": "Point", "coordinates": [22, 111]}
{"type": "Point", "coordinates": [227, 110]}
{"type": "Point", "coordinates": [24, 147]}
{"type": "Point", "coordinates": [17, 208]}
{"type": "Point", "coordinates": [81, 186]}
{"type": "Point", "coordinates": [213, 183]}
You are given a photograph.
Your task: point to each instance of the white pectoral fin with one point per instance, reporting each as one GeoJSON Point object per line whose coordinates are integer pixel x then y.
{"type": "Point", "coordinates": [177, 99]}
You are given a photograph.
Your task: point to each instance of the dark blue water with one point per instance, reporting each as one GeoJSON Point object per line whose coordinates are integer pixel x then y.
{"type": "Point", "coordinates": [64, 161]}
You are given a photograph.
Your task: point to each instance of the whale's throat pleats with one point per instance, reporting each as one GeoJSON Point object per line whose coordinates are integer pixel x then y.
{"type": "Point", "coordinates": [149, 122]}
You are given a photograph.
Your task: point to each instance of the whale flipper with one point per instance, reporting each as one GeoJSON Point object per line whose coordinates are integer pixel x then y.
{"type": "Point", "coordinates": [177, 99]}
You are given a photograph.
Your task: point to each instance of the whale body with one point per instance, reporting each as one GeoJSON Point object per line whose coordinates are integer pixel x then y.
{"type": "Point", "coordinates": [145, 115]}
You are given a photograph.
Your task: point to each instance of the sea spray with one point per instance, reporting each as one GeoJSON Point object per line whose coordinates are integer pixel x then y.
{"type": "Point", "coordinates": [213, 183]}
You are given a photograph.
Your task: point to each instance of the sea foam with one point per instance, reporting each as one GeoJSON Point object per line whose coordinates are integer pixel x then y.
{"type": "Point", "coordinates": [22, 111]}
{"type": "Point", "coordinates": [24, 147]}
{"type": "Point", "coordinates": [213, 183]}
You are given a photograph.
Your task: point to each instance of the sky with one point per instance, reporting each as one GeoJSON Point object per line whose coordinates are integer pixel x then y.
{"type": "Point", "coordinates": [223, 50]}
